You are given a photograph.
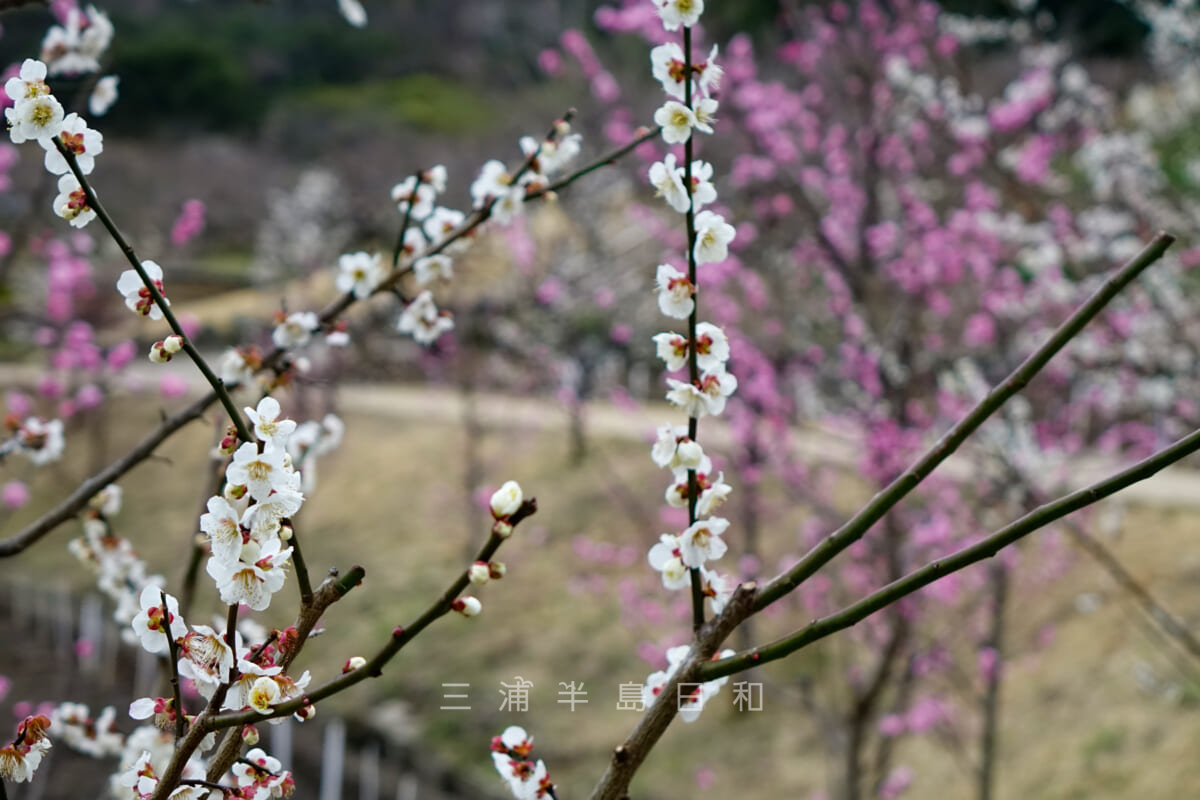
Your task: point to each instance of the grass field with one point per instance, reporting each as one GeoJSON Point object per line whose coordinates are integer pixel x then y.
{"type": "Point", "coordinates": [1080, 717]}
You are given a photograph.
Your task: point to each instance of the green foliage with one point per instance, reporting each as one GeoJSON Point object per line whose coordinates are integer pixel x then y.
{"type": "Point", "coordinates": [427, 102]}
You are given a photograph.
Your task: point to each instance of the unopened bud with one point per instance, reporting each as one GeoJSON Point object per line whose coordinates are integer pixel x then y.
{"type": "Point", "coordinates": [479, 573]}
{"type": "Point", "coordinates": [507, 500]}
{"type": "Point", "coordinates": [562, 127]}
{"type": "Point", "coordinates": [689, 453]}
{"type": "Point", "coordinates": [306, 712]}
{"type": "Point", "coordinates": [502, 528]}
{"type": "Point", "coordinates": [250, 735]}
{"type": "Point", "coordinates": [353, 663]}
{"type": "Point", "coordinates": [286, 531]}
{"type": "Point", "coordinates": [159, 354]}
{"type": "Point", "coordinates": [497, 570]}
{"type": "Point", "coordinates": [467, 606]}
{"type": "Point", "coordinates": [233, 492]}
{"type": "Point", "coordinates": [173, 344]}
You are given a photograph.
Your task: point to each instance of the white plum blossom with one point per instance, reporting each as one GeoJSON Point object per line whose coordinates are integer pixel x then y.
{"type": "Point", "coordinates": [251, 582]}
{"type": "Point", "coordinates": [41, 441]}
{"type": "Point", "coordinates": [667, 180]}
{"type": "Point", "coordinates": [359, 273]}
{"type": "Point", "coordinates": [422, 320]}
{"type": "Point", "coordinates": [679, 12]}
{"type": "Point", "coordinates": [84, 142]}
{"type": "Point", "coordinates": [718, 587]}
{"type": "Point", "coordinates": [703, 192]}
{"type": "Point", "coordinates": [108, 500]}
{"type": "Point", "coordinates": [669, 68]}
{"type": "Point", "coordinates": [295, 330]}
{"type": "Point", "coordinates": [714, 495]}
{"type": "Point", "coordinates": [268, 427]}
{"type": "Point", "coordinates": [441, 223]}
{"type": "Point", "coordinates": [705, 114]}
{"type": "Point", "coordinates": [259, 472]}
{"type": "Point", "coordinates": [265, 774]}
{"type": "Point", "coordinates": [712, 346]}
{"type": "Point", "coordinates": [557, 153]}
{"type": "Point", "coordinates": [353, 12]}
{"type": "Point", "coordinates": [708, 397]}
{"type": "Point", "coordinates": [509, 205]}
{"type": "Point", "coordinates": [137, 297]}
{"type": "Point", "coordinates": [104, 95]}
{"type": "Point", "coordinates": [224, 532]}
{"type": "Point", "coordinates": [427, 270]}
{"type": "Point", "coordinates": [672, 348]}
{"type": "Point", "coordinates": [709, 73]}
{"type": "Point", "coordinates": [150, 625]}
{"type": "Point", "coordinates": [235, 368]}
{"type": "Point", "coordinates": [29, 82]}
{"type": "Point", "coordinates": [35, 113]}
{"type": "Point", "coordinates": [676, 121]}
{"type": "Point", "coordinates": [675, 292]}
{"type": "Point", "coordinates": [667, 439]}
{"type": "Point", "coordinates": [206, 658]}
{"type": "Point", "coordinates": [702, 541]}
{"type": "Point", "coordinates": [493, 181]}
{"type": "Point", "coordinates": [422, 204]}
{"type": "Point", "coordinates": [20, 759]}
{"type": "Point", "coordinates": [71, 203]}
{"type": "Point", "coordinates": [77, 47]}
{"type": "Point", "coordinates": [690, 706]}
{"type": "Point", "coordinates": [238, 696]}
{"type": "Point", "coordinates": [713, 235]}
{"type": "Point", "coordinates": [667, 558]}
{"type": "Point", "coordinates": [506, 500]}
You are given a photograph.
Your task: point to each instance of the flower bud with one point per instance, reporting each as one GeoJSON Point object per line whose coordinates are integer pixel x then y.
{"type": "Point", "coordinates": [353, 663]}
{"type": "Point", "coordinates": [159, 354]}
{"type": "Point", "coordinates": [502, 528]}
{"type": "Point", "coordinates": [467, 606]}
{"type": "Point", "coordinates": [507, 500]}
{"type": "Point", "coordinates": [497, 570]}
{"type": "Point", "coordinates": [173, 344]}
{"type": "Point", "coordinates": [689, 453]}
{"type": "Point", "coordinates": [306, 712]}
{"type": "Point", "coordinates": [233, 493]}
{"type": "Point", "coordinates": [250, 735]}
{"type": "Point", "coordinates": [479, 573]}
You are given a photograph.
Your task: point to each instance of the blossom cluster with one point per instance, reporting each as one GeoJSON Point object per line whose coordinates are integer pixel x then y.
{"type": "Point", "coordinates": [20, 758]}
{"type": "Point", "coordinates": [525, 779]}
{"type": "Point", "coordinates": [247, 525]}
{"type": "Point", "coordinates": [703, 351]}
{"type": "Point", "coordinates": [37, 115]}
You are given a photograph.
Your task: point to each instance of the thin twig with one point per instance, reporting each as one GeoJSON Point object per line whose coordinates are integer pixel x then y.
{"type": "Point", "coordinates": [693, 320]}
{"type": "Point", "coordinates": [79, 498]}
{"type": "Point", "coordinates": [399, 638]}
{"type": "Point", "coordinates": [216, 383]}
{"type": "Point", "coordinates": [173, 669]}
